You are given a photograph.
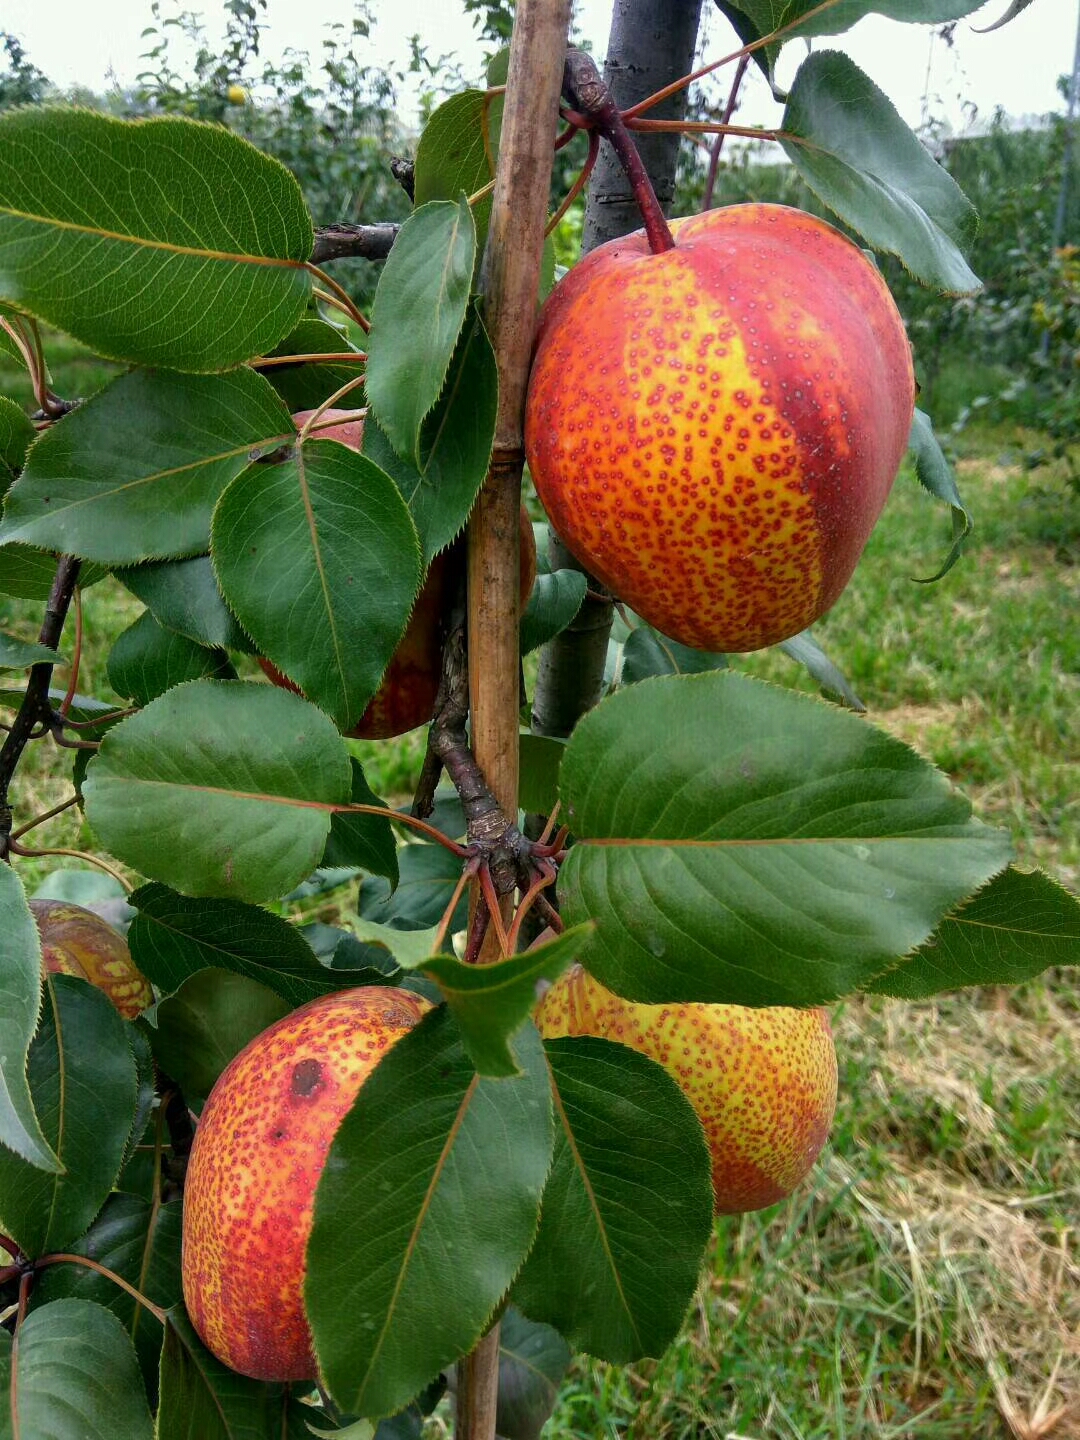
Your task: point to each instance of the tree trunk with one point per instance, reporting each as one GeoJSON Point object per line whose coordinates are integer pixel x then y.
{"type": "Point", "coordinates": [651, 44]}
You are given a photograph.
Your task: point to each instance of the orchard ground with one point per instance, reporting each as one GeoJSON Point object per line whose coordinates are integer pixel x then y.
{"type": "Point", "coordinates": [926, 1282]}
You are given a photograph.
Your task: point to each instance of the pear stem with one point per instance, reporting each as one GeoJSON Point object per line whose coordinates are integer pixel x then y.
{"type": "Point", "coordinates": [592, 100]}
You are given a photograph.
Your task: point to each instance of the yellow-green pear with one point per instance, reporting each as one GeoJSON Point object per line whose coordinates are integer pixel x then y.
{"type": "Point", "coordinates": [762, 1081]}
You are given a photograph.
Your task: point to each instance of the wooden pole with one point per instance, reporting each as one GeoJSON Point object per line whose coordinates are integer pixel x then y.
{"type": "Point", "coordinates": [510, 280]}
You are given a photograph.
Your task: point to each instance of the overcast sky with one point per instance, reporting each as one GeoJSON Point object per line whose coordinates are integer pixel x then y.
{"type": "Point", "coordinates": [80, 41]}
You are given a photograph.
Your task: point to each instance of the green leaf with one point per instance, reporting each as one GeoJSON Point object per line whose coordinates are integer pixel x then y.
{"type": "Point", "coordinates": [532, 1362]}
{"type": "Point", "coordinates": [84, 708]}
{"type": "Point", "coordinates": [319, 559]}
{"type": "Point", "coordinates": [82, 1076]}
{"type": "Point", "coordinates": [210, 1019]}
{"type": "Point", "coordinates": [647, 653]}
{"type": "Point", "coordinates": [16, 433]}
{"type": "Point", "coordinates": [743, 844]}
{"type": "Point", "coordinates": [145, 1092]}
{"type": "Point", "coordinates": [1016, 8]}
{"type": "Point", "coordinates": [555, 600]}
{"type": "Point", "coordinates": [491, 1002]}
{"type": "Point", "coordinates": [20, 1003]}
{"type": "Point", "coordinates": [140, 1241]}
{"type": "Point", "coordinates": [25, 572]}
{"type": "Point", "coordinates": [183, 595]}
{"type": "Point", "coordinates": [805, 650]}
{"type": "Point", "coordinates": [428, 876]}
{"type": "Point", "coordinates": [846, 139]}
{"type": "Point", "coordinates": [540, 758]}
{"type": "Point", "coordinates": [627, 1208]}
{"type": "Point", "coordinates": [76, 1377]}
{"type": "Point", "coordinates": [173, 937]}
{"type": "Point", "coordinates": [363, 841]}
{"type": "Point", "coordinates": [416, 318]}
{"type": "Point", "coordinates": [408, 948]}
{"type": "Point", "coordinates": [935, 474]}
{"type": "Point", "coordinates": [201, 1399]}
{"type": "Point", "coordinates": [753, 19]}
{"type": "Point", "coordinates": [358, 1430]}
{"type": "Point", "coordinates": [1019, 925]}
{"type": "Point", "coordinates": [217, 788]}
{"type": "Point", "coordinates": [168, 242]}
{"type": "Point", "coordinates": [406, 1216]}
{"type": "Point", "coordinates": [305, 385]}
{"type": "Point", "coordinates": [134, 474]}
{"type": "Point", "coordinates": [146, 660]}
{"type": "Point", "coordinates": [85, 887]}
{"type": "Point", "coordinates": [454, 157]}
{"type": "Point", "coordinates": [451, 156]}
{"type": "Point", "coordinates": [16, 654]}
{"type": "Point", "coordinates": [455, 444]}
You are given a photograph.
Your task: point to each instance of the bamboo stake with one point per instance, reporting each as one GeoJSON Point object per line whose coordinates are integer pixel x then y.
{"type": "Point", "coordinates": [510, 280]}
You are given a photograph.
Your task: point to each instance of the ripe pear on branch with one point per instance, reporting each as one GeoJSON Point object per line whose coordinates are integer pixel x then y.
{"type": "Point", "coordinates": [260, 1147]}
{"type": "Point", "coordinates": [762, 1080]}
{"type": "Point", "coordinates": [75, 941]}
{"type": "Point", "coordinates": [713, 426]}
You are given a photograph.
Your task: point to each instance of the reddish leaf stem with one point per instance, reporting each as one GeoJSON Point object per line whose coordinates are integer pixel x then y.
{"type": "Point", "coordinates": [468, 872]}
{"type": "Point", "coordinates": [16, 849]}
{"type": "Point", "coordinates": [413, 822]}
{"type": "Point", "coordinates": [62, 1257]}
{"type": "Point", "coordinates": [759, 44]}
{"type": "Point", "coordinates": [712, 127]}
{"type": "Point", "coordinates": [729, 110]}
{"type": "Point", "coordinates": [40, 820]}
{"type": "Point", "coordinates": [579, 184]}
{"type": "Point", "coordinates": [343, 357]}
{"type": "Point", "coordinates": [346, 301]}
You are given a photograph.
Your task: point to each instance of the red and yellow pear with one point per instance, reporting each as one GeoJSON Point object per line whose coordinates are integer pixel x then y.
{"type": "Point", "coordinates": [75, 941]}
{"type": "Point", "coordinates": [713, 429]}
{"type": "Point", "coordinates": [407, 692]}
{"type": "Point", "coordinates": [762, 1081]}
{"type": "Point", "coordinates": [260, 1147]}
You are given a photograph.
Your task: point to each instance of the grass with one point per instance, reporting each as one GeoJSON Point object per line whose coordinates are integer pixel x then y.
{"type": "Point", "coordinates": [925, 1283]}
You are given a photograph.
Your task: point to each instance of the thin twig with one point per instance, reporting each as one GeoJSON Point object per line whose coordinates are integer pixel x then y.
{"type": "Point", "coordinates": [367, 242]}
{"type": "Point", "coordinates": [708, 127]}
{"type": "Point", "coordinates": [729, 110]}
{"type": "Point", "coordinates": [35, 708]}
